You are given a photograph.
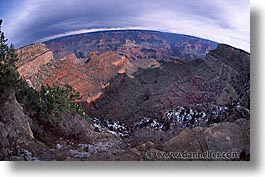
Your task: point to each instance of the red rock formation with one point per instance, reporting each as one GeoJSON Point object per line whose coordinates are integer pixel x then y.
{"type": "Point", "coordinates": [37, 66]}
{"type": "Point", "coordinates": [120, 62]}
{"type": "Point", "coordinates": [71, 59]}
{"type": "Point", "coordinates": [31, 58]}
{"type": "Point", "coordinates": [69, 72]}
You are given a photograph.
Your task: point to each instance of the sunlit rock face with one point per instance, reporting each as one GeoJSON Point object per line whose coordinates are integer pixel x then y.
{"type": "Point", "coordinates": [37, 65]}
{"type": "Point", "coordinates": [31, 58]}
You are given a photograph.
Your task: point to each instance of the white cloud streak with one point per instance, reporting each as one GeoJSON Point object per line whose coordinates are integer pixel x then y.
{"type": "Point", "coordinates": [83, 31]}
{"type": "Point", "coordinates": [223, 21]}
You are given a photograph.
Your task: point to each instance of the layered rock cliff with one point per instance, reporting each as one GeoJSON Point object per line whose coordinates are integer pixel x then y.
{"type": "Point", "coordinates": [37, 65]}
{"type": "Point", "coordinates": [220, 79]}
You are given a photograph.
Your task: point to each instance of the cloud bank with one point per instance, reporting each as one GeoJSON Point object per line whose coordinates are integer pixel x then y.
{"type": "Point", "coordinates": [223, 21]}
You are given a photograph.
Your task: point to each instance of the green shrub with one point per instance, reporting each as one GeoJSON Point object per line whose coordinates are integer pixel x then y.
{"type": "Point", "coordinates": [50, 103]}
{"type": "Point", "coordinates": [55, 101]}
{"type": "Point", "coordinates": [28, 98]}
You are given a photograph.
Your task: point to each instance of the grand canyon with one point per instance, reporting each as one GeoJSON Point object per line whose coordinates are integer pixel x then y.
{"type": "Point", "coordinates": [141, 91]}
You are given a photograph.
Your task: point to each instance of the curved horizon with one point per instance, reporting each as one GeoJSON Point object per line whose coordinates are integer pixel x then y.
{"type": "Point", "coordinates": [30, 21]}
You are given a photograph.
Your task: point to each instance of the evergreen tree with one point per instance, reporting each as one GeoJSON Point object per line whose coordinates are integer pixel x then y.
{"type": "Point", "coordinates": [56, 100]}
{"type": "Point", "coordinates": [9, 76]}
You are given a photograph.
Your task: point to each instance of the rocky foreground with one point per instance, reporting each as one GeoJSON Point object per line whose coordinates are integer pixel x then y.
{"type": "Point", "coordinates": [18, 142]}
{"type": "Point", "coordinates": [143, 108]}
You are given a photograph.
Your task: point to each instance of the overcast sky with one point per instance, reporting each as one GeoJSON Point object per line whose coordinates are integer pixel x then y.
{"type": "Point", "coordinates": [29, 21]}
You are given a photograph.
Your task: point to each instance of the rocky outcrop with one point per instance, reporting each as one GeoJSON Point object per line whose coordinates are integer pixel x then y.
{"type": "Point", "coordinates": [66, 141]}
{"type": "Point", "coordinates": [75, 139]}
{"type": "Point", "coordinates": [31, 61]}
{"type": "Point", "coordinates": [31, 58]}
{"type": "Point", "coordinates": [222, 141]}
{"type": "Point", "coordinates": [221, 137]}
{"type": "Point", "coordinates": [89, 79]}
{"type": "Point", "coordinates": [14, 127]}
